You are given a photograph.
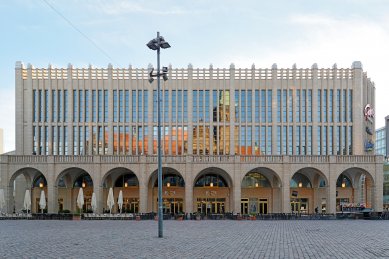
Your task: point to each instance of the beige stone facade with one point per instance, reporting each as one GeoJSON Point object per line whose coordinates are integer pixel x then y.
{"type": "Point", "coordinates": [234, 140]}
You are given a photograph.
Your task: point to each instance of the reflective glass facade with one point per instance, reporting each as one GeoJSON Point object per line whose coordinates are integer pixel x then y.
{"type": "Point", "coordinates": [206, 115]}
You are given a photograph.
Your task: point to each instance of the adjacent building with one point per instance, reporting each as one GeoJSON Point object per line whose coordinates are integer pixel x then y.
{"type": "Point", "coordinates": [234, 140]}
{"type": "Point", "coordinates": [1, 142]}
{"type": "Point", "coordinates": [382, 139]}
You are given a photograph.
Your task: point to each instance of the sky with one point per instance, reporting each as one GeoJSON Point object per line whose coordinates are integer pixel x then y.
{"type": "Point", "coordinates": [202, 32]}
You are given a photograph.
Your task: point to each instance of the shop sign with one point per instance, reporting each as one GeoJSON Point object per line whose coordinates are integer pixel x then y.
{"type": "Point", "coordinates": [210, 193]}
{"type": "Point", "coordinates": [369, 112]}
{"type": "Point", "coordinates": [294, 193]}
{"type": "Point", "coordinates": [369, 145]}
{"type": "Point", "coordinates": [368, 130]}
{"type": "Point", "coordinates": [170, 193]}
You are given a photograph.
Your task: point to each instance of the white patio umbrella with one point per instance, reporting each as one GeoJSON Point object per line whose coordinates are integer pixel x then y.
{"type": "Point", "coordinates": [2, 199]}
{"type": "Point", "coordinates": [42, 201]}
{"type": "Point", "coordinates": [80, 199]}
{"type": "Point", "coordinates": [27, 201]}
{"type": "Point", "coordinates": [110, 200]}
{"type": "Point", "coordinates": [94, 202]}
{"type": "Point", "coordinates": [120, 201]}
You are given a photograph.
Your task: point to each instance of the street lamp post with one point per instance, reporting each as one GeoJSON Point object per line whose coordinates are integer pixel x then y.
{"type": "Point", "coordinates": [157, 44]}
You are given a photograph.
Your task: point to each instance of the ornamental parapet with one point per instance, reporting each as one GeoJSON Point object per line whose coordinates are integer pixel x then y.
{"type": "Point", "coordinates": [223, 159]}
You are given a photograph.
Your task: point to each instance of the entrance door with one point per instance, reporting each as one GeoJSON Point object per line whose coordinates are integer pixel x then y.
{"type": "Point", "coordinates": [299, 205]}
{"type": "Point", "coordinates": [263, 205]}
{"type": "Point", "coordinates": [244, 206]}
{"type": "Point", "coordinates": [210, 205]}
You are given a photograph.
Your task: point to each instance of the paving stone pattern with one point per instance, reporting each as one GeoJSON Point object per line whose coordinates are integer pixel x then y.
{"type": "Point", "coordinates": [194, 239]}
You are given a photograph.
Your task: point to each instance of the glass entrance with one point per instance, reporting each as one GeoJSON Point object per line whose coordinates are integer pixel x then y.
{"type": "Point", "coordinates": [211, 205]}
{"type": "Point", "coordinates": [299, 205]}
{"type": "Point", "coordinates": [254, 205]}
{"type": "Point", "coordinates": [131, 205]}
{"type": "Point", "coordinates": [172, 206]}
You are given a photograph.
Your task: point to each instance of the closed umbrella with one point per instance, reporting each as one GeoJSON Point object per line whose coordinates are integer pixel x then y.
{"type": "Point", "coordinates": [110, 200]}
{"type": "Point", "coordinates": [80, 199]}
{"type": "Point", "coordinates": [120, 201]}
{"type": "Point", "coordinates": [42, 201]}
{"type": "Point", "coordinates": [94, 202]}
{"type": "Point", "coordinates": [27, 201]}
{"type": "Point", "coordinates": [2, 199]}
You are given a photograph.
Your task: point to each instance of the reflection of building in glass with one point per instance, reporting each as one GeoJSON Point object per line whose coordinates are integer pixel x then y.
{"type": "Point", "coordinates": [386, 185]}
{"type": "Point", "coordinates": [233, 140]}
{"type": "Point", "coordinates": [382, 139]}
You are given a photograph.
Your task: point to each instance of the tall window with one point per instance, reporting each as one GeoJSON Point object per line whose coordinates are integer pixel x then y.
{"type": "Point", "coordinates": [105, 105]}
{"type": "Point", "coordinates": [279, 144]}
{"type": "Point", "coordinates": [331, 106]}
{"type": "Point", "coordinates": [263, 106]}
{"type": "Point", "coordinates": [75, 106]}
{"type": "Point", "coordinates": [338, 111]}
{"type": "Point", "coordinates": [155, 108]}
{"type": "Point", "coordinates": [115, 106]}
{"type": "Point", "coordinates": [174, 106]}
{"type": "Point", "coordinates": [34, 105]}
{"type": "Point", "coordinates": [319, 104]}
{"type": "Point", "coordinates": [75, 141]}
{"type": "Point", "coordinates": [94, 106]}
{"type": "Point", "coordinates": [350, 105]}
{"type": "Point", "coordinates": [40, 106]}
{"type": "Point", "coordinates": [65, 134]}
{"type": "Point", "coordinates": [309, 105]}
{"type": "Point", "coordinates": [325, 105]}
{"type": "Point", "coordinates": [325, 150]}
{"type": "Point", "coordinates": [179, 106]}
{"type": "Point", "coordinates": [127, 93]}
{"type": "Point", "coordinates": [284, 139]}
{"type": "Point", "coordinates": [319, 140]}
{"type": "Point", "coordinates": [290, 103]}
{"type": "Point", "coordinates": [290, 140]}
{"type": "Point", "coordinates": [298, 104]}
{"type": "Point", "coordinates": [81, 106]}
{"type": "Point", "coordinates": [145, 105]}
{"type": "Point", "coordinates": [279, 106]}
{"type": "Point", "coordinates": [133, 106]}
{"type": "Point", "coordinates": [269, 140]}
{"type": "Point", "coordinates": [194, 111]}
{"type": "Point", "coordinates": [249, 106]}
{"type": "Point", "coordinates": [121, 106]}
{"type": "Point", "coordinates": [284, 105]}
{"type": "Point", "coordinates": [303, 105]}
{"type": "Point", "coordinates": [60, 106]}
{"type": "Point", "coordinates": [46, 105]}
{"type": "Point", "coordinates": [344, 103]}
{"type": "Point", "coordinates": [100, 106]}
{"type": "Point", "coordinates": [86, 106]}
{"type": "Point", "coordinates": [81, 141]}
{"type": "Point", "coordinates": [54, 140]}
{"type": "Point", "coordinates": [54, 106]}
{"type": "Point", "coordinates": [65, 107]}
{"type": "Point", "coordinates": [166, 106]}
{"type": "Point", "coordinates": [269, 105]}
{"type": "Point", "coordinates": [185, 105]}
{"type": "Point", "coordinates": [206, 104]}
{"type": "Point", "coordinates": [330, 139]}
{"type": "Point", "coordinates": [257, 105]}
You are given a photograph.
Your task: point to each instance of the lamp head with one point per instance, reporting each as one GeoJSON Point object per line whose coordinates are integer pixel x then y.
{"type": "Point", "coordinates": [152, 44]}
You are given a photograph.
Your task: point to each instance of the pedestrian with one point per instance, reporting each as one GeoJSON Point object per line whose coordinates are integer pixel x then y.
{"type": "Point", "coordinates": [316, 210]}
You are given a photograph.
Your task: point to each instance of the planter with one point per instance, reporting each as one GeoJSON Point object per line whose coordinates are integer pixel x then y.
{"type": "Point", "coordinates": [198, 217]}
{"type": "Point", "coordinates": [180, 218]}
{"type": "Point", "coordinates": [156, 218]}
{"type": "Point", "coordinates": [137, 218]}
{"type": "Point", "coordinates": [76, 217]}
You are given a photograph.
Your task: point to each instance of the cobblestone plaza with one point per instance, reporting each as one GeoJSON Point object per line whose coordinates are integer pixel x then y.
{"type": "Point", "coordinates": [195, 239]}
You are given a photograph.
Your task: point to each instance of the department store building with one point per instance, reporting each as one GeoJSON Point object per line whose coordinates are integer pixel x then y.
{"type": "Point", "coordinates": [273, 140]}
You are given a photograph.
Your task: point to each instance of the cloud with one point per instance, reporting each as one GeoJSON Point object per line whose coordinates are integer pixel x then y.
{"type": "Point", "coordinates": [327, 40]}
{"type": "Point", "coordinates": [7, 115]}
{"type": "Point", "coordinates": [121, 7]}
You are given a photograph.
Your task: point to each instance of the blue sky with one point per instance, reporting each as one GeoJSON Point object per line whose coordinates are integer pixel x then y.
{"type": "Point", "coordinates": [200, 32]}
